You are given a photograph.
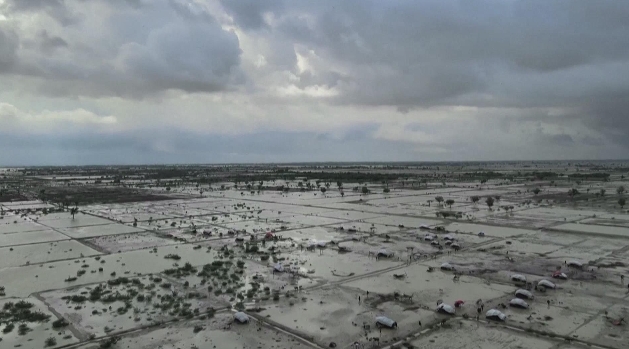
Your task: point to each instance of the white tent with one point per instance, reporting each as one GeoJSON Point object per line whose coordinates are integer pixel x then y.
{"type": "Point", "coordinates": [455, 245]}
{"type": "Point", "coordinates": [448, 237]}
{"type": "Point", "coordinates": [429, 237]}
{"type": "Point", "coordinates": [434, 243]}
{"type": "Point", "coordinates": [424, 226]}
{"type": "Point", "coordinates": [447, 266]}
{"type": "Point", "coordinates": [385, 321]}
{"type": "Point", "coordinates": [241, 317]}
{"type": "Point", "coordinates": [448, 242]}
{"type": "Point", "coordinates": [522, 293]}
{"type": "Point", "coordinates": [559, 275]}
{"type": "Point", "coordinates": [518, 303]}
{"type": "Point", "coordinates": [279, 268]}
{"type": "Point", "coordinates": [518, 277]}
{"type": "Point", "coordinates": [384, 253]}
{"type": "Point", "coordinates": [321, 243]}
{"type": "Point", "coordinates": [575, 264]}
{"type": "Point", "coordinates": [495, 315]}
{"type": "Point", "coordinates": [546, 284]}
{"type": "Point", "coordinates": [446, 309]}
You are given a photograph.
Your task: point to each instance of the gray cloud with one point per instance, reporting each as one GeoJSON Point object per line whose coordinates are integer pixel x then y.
{"type": "Point", "coordinates": [143, 49]}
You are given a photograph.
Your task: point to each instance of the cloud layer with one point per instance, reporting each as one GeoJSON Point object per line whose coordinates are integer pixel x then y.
{"type": "Point", "coordinates": [426, 80]}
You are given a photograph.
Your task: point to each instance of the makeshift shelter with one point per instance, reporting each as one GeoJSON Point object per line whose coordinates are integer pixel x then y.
{"type": "Point", "coordinates": [241, 317]}
{"type": "Point", "coordinates": [448, 242]}
{"type": "Point", "coordinates": [546, 283]}
{"type": "Point", "coordinates": [384, 253]}
{"type": "Point", "coordinates": [518, 278]}
{"type": "Point", "coordinates": [494, 314]}
{"type": "Point", "coordinates": [429, 237]}
{"type": "Point", "coordinates": [278, 268]}
{"type": "Point", "coordinates": [559, 275]}
{"type": "Point", "coordinates": [575, 264]}
{"type": "Point", "coordinates": [424, 226]}
{"type": "Point", "coordinates": [445, 309]}
{"type": "Point", "coordinates": [518, 303]}
{"type": "Point", "coordinates": [383, 321]}
{"type": "Point", "coordinates": [447, 266]}
{"type": "Point", "coordinates": [455, 245]}
{"type": "Point", "coordinates": [524, 294]}
{"type": "Point", "coordinates": [434, 243]}
{"type": "Point", "coordinates": [448, 237]}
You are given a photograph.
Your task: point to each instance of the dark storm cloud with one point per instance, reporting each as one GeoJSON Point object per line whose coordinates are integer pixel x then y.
{"type": "Point", "coordinates": [570, 54]}
{"type": "Point", "coordinates": [9, 43]}
{"type": "Point", "coordinates": [249, 13]}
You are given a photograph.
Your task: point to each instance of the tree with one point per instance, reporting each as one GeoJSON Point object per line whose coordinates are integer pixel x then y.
{"type": "Point", "coordinates": [497, 197]}
{"type": "Point", "coordinates": [339, 184]}
{"type": "Point", "coordinates": [620, 190]}
{"type": "Point", "coordinates": [439, 199]}
{"type": "Point", "coordinates": [342, 194]}
{"type": "Point", "coordinates": [323, 190]}
{"type": "Point", "coordinates": [536, 191]}
{"type": "Point", "coordinates": [450, 202]}
{"type": "Point", "coordinates": [386, 190]}
{"type": "Point", "coordinates": [475, 199]}
{"type": "Point", "coordinates": [622, 202]}
{"type": "Point", "coordinates": [603, 192]}
{"type": "Point", "coordinates": [365, 190]}
{"type": "Point", "coordinates": [489, 201]}
{"type": "Point", "coordinates": [573, 192]}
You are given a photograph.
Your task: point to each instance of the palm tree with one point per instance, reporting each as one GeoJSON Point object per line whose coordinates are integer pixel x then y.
{"type": "Point", "coordinates": [73, 211]}
{"type": "Point", "coordinates": [536, 191]}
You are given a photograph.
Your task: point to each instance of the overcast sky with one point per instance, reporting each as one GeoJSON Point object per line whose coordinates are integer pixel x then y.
{"type": "Point", "coordinates": [206, 81]}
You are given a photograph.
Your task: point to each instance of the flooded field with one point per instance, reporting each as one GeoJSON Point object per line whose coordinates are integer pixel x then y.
{"type": "Point", "coordinates": [317, 271]}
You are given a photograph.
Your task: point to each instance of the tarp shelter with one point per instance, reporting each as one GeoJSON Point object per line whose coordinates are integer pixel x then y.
{"type": "Point", "coordinates": [241, 317]}
{"type": "Point", "coordinates": [459, 303]}
{"type": "Point", "coordinates": [383, 321]}
{"type": "Point", "coordinates": [434, 243]}
{"type": "Point", "coordinates": [560, 275]}
{"type": "Point", "coordinates": [424, 226]}
{"type": "Point", "coordinates": [518, 278]}
{"type": "Point", "coordinates": [518, 303]}
{"type": "Point", "coordinates": [494, 314]}
{"type": "Point", "coordinates": [575, 264]}
{"type": "Point", "coordinates": [448, 242]}
{"type": "Point", "coordinates": [546, 284]}
{"type": "Point", "coordinates": [445, 309]}
{"type": "Point", "coordinates": [384, 253]}
{"type": "Point", "coordinates": [279, 268]}
{"type": "Point", "coordinates": [448, 237]}
{"type": "Point", "coordinates": [429, 237]}
{"type": "Point", "coordinates": [447, 266]}
{"type": "Point", "coordinates": [321, 243]}
{"type": "Point", "coordinates": [521, 293]}
{"type": "Point", "coordinates": [455, 245]}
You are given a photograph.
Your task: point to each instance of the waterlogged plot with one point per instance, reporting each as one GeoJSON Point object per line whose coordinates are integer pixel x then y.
{"type": "Point", "coordinates": [210, 332]}
{"type": "Point", "coordinates": [475, 336]}
{"type": "Point", "coordinates": [595, 229]}
{"type": "Point", "coordinates": [65, 220]}
{"type": "Point", "coordinates": [98, 230]}
{"type": "Point", "coordinates": [406, 222]}
{"type": "Point", "coordinates": [488, 230]}
{"type": "Point", "coordinates": [7, 226]}
{"type": "Point", "coordinates": [130, 242]}
{"type": "Point", "coordinates": [22, 281]}
{"type": "Point", "coordinates": [43, 252]}
{"type": "Point", "coordinates": [125, 303]}
{"type": "Point", "coordinates": [27, 323]}
{"type": "Point", "coordinates": [32, 237]}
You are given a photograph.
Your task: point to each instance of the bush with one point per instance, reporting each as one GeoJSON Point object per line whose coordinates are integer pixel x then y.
{"type": "Point", "coordinates": [60, 323]}
{"type": "Point", "coordinates": [8, 328]}
{"type": "Point", "coordinates": [50, 342]}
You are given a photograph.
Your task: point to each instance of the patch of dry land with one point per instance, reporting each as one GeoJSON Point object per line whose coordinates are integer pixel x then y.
{"type": "Point", "coordinates": [314, 264]}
